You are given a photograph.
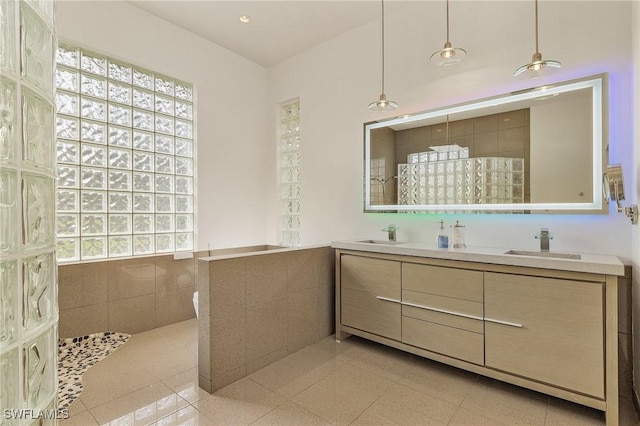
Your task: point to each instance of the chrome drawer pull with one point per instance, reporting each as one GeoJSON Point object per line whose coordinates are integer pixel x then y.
{"type": "Point", "coordinates": [386, 299]}
{"type": "Point", "coordinates": [511, 324]}
{"type": "Point", "coordinates": [429, 308]}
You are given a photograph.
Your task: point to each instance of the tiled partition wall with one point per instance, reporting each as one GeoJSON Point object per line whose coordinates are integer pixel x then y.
{"type": "Point", "coordinates": [258, 308]}
{"type": "Point", "coordinates": [127, 296]}
{"type": "Point", "coordinates": [28, 307]}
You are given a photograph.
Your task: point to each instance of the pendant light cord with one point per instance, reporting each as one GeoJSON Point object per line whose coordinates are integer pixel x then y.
{"type": "Point", "coordinates": [537, 51]}
{"type": "Point", "coordinates": [382, 42]}
{"type": "Point", "coordinates": [447, 21]}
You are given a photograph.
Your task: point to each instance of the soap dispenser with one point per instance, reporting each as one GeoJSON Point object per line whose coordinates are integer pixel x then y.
{"type": "Point", "coordinates": [443, 238]}
{"type": "Point", "coordinates": [457, 236]}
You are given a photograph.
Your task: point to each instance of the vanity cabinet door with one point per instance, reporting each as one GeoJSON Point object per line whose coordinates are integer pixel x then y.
{"type": "Point", "coordinates": [370, 290]}
{"type": "Point", "coordinates": [549, 330]}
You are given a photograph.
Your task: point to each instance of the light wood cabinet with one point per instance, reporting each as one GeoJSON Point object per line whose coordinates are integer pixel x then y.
{"type": "Point", "coordinates": [546, 329]}
{"type": "Point", "coordinates": [371, 295]}
{"type": "Point", "coordinates": [442, 311]}
{"type": "Point", "coordinates": [552, 331]}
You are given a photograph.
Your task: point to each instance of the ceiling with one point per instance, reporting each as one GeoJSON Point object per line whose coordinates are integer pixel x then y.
{"type": "Point", "coordinates": [278, 29]}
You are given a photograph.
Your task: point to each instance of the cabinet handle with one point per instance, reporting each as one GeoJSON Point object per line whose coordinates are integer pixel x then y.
{"type": "Point", "coordinates": [386, 299]}
{"type": "Point", "coordinates": [511, 324]}
{"type": "Point", "coordinates": [429, 308]}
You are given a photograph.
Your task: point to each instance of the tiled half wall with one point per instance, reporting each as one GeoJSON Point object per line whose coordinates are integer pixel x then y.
{"type": "Point", "coordinates": [127, 296]}
{"type": "Point", "coordinates": [258, 308]}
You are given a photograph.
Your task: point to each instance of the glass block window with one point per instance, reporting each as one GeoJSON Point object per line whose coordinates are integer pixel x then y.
{"type": "Point", "coordinates": [124, 159]}
{"type": "Point", "coordinates": [290, 172]}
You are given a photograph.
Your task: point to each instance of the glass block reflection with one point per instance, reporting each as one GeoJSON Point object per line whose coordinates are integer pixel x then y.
{"type": "Point", "coordinates": [37, 129]}
{"type": "Point", "coordinates": [93, 247]}
{"type": "Point", "coordinates": [164, 243]}
{"type": "Point", "coordinates": [36, 49]}
{"type": "Point", "coordinates": [125, 158]}
{"type": "Point", "coordinates": [143, 244]}
{"type": "Point", "coordinates": [120, 224]}
{"type": "Point", "coordinates": [93, 132]}
{"type": "Point", "coordinates": [68, 56]}
{"type": "Point", "coordinates": [8, 302]}
{"type": "Point", "coordinates": [8, 111]}
{"type": "Point", "coordinates": [9, 378]}
{"type": "Point", "coordinates": [40, 360]}
{"type": "Point", "coordinates": [8, 41]}
{"type": "Point", "coordinates": [120, 245]}
{"type": "Point", "coordinates": [184, 241]}
{"type": "Point", "coordinates": [39, 280]}
{"type": "Point", "coordinates": [68, 249]}
{"type": "Point", "coordinates": [9, 213]}
{"type": "Point", "coordinates": [37, 210]}
{"type": "Point", "coordinates": [67, 103]}
{"type": "Point", "coordinates": [67, 225]}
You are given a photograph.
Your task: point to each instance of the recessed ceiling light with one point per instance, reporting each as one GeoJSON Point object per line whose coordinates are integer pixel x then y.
{"type": "Point", "coordinates": [245, 19]}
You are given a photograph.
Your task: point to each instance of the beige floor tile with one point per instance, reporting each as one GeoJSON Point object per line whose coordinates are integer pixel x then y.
{"type": "Point", "coordinates": [76, 407]}
{"type": "Point", "coordinates": [506, 403]}
{"type": "Point", "coordinates": [185, 384]}
{"type": "Point", "coordinates": [384, 361]}
{"type": "Point", "coordinates": [171, 362]}
{"type": "Point", "coordinates": [343, 395]}
{"type": "Point", "coordinates": [144, 406]}
{"type": "Point", "coordinates": [439, 380]}
{"type": "Point", "coordinates": [185, 416]}
{"type": "Point", "coordinates": [293, 374]}
{"type": "Point", "coordinates": [111, 378]}
{"type": "Point", "coordinates": [387, 412]}
{"type": "Point", "coordinates": [464, 417]}
{"type": "Point", "coordinates": [289, 414]}
{"type": "Point", "coordinates": [404, 405]}
{"type": "Point", "coordinates": [565, 413]}
{"type": "Point", "coordinates": [83, 419]}
{"type": "Point", "coordinates": [240, 403]}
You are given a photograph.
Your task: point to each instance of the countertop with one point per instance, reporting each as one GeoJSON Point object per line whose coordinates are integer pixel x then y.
{"type": "Point", "coordinates": [590, 263]}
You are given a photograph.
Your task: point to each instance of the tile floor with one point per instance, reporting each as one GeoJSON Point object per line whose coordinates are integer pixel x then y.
{"type": "Point", "coordinates": [152, 379]}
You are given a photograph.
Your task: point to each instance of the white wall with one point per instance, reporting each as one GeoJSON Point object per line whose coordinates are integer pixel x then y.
{"type": "Point", "coordinates": [336, 80]}
{"type": "Point", "coordinates": [634, 197]}
{"type": "Point", "coordinates": [231, 101]}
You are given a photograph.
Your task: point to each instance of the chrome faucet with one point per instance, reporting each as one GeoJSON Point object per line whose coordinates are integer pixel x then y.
{"type": "Point", "coordinates": [391, 229]}
{"type": "Point", "coordinates": [544, 236]}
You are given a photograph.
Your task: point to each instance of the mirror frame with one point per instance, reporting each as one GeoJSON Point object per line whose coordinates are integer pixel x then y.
{"type": "Point", "coordinates": [597, 83]}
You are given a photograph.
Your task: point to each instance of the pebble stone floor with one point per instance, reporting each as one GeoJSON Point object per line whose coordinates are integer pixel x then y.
{"type": "Point", "coordinates": [152, 379]}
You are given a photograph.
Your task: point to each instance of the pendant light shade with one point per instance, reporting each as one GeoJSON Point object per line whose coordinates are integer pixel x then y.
{"type": "Point", "coordinates": [448, 55]}
{"type": "Point", "coordinates": [537, 67]}
{"type": "Point", "coordinates": [383, 104]}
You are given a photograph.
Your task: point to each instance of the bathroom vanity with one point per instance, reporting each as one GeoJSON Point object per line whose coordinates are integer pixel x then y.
{"type": "Point", "coordinates": [543, 322]}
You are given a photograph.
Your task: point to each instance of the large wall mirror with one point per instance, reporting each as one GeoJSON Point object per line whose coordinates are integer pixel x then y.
{"type": "Point", "coordinates": [538, 150]}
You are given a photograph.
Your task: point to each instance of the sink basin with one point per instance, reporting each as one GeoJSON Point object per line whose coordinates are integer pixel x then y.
{"type": "Point", "coordinates": [543, 254]}
{"type": "Point", "coordinates": [382, 242]}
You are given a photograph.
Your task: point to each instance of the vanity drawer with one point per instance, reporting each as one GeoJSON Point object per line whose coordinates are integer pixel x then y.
{"type": "Point", "coordinates": [450, 341]}
{"type": "Point", "coordinates": [448, 311]}
{"type": "Point", "coordinates": [449, 282]}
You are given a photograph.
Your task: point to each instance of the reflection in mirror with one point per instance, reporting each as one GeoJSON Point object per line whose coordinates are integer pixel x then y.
{"type": "Point", "coordinates": [536, 150]}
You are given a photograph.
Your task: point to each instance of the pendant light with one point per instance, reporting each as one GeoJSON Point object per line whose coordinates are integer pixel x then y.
{"type": "Point", "coordinates": [537, 67]}
{"type": "Point", "coordinates": [383, 104]}
{"type": "Point", "coordinates": [448, 55]}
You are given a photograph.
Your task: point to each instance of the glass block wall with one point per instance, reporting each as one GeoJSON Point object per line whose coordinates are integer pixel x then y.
{"type": "Point", "coordinates": [450, 177]}
{"type": "Point", "coordinates": [28, 273]}
{"type": "Point", "coordinates": [290, 172]}
{"type": "Point", "coordinates": [125, 159]}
